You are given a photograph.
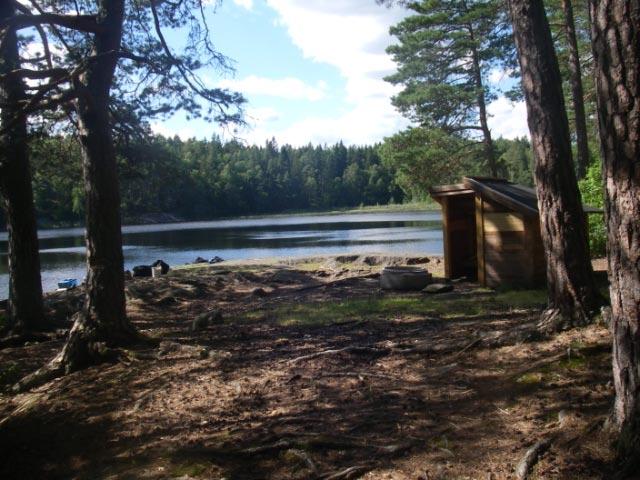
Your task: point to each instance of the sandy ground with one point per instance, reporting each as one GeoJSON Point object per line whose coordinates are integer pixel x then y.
{"type": "Point", "coordinates": [315, 373]}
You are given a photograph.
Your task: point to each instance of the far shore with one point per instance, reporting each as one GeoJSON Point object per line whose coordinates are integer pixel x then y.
{"type": "Point", "coordinates": [158, 218]}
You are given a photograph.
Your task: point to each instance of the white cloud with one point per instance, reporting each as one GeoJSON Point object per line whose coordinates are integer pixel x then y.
{"type": "Point", "coordinates": [248, 4]}
{"type": "Point", "coordinates": [351, 35]}
{"type": "Point", "coordinates": [289, 87]}
{"type": "Point", "coordinates": [508, 119]}
{"type": "Point", "coordinates": [366, 123]}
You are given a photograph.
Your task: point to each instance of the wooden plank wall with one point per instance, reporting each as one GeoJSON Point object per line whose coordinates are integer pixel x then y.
{"type": "Point", "coordinates": [511, 246]}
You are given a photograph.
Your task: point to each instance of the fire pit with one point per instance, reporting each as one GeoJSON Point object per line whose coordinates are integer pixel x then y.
{"type": "Point", "coordinates": [404, 278]}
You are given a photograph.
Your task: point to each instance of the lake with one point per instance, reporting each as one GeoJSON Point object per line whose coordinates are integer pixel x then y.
{"type": "Point", "coordinates": [62, 251]}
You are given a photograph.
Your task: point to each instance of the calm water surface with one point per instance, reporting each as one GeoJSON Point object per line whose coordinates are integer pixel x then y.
{"type": "Point", "coordinates": [62, 251]}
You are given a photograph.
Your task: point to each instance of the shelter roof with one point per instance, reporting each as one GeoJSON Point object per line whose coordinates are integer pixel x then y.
{"type": "Point", "coordinates": [517, 197]}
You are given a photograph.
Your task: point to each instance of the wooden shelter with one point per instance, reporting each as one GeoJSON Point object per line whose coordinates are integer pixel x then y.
{"type": "Point", "coordinates": [492, 232]}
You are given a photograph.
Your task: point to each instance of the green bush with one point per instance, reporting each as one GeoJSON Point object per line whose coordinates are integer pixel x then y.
{"type": "Point", "coordinates": [593, 195]}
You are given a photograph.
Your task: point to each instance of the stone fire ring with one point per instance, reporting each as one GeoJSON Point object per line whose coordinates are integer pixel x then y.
{"type": "Point", "coordinates": [404, 278]}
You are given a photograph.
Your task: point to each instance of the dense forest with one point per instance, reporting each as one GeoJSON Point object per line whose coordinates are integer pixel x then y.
{"type": "Point", "coordinates": [205, 179]}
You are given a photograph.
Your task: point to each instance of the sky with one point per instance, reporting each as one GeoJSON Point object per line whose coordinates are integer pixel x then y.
{"type": "Point", "coordinates": [312, 72]}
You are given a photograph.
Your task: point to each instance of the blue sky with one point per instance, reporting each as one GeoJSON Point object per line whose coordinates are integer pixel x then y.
{"type": "Point", "coordinates": [312, 72]}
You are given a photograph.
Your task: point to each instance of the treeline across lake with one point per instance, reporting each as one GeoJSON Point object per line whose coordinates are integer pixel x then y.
{"type": "Point", "coordinates": [205, 179]}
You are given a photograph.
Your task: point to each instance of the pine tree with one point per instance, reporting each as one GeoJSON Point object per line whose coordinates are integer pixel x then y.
{"type": "Point", "coordinates": [445, 52]}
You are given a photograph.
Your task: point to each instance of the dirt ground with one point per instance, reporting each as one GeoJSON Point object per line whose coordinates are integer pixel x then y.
{"type": "Point", "coordinates": [315, 373]}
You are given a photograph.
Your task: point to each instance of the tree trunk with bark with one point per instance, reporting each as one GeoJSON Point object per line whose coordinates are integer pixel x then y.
{"type": "Point", "coordinates": [103, 323]}
{"type": "Point", "coordinates": [577, 92]}
{"type": "Point", "coordinates": [487, 141]}
{"type": "Point", "coordinates": [573, 297]}
{"type": "Point", "coordinates": [25, 310]}
{"type": "Point", "coordinates": [616, 48]}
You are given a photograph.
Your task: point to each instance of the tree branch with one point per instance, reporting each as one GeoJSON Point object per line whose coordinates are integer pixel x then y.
{"type": "Point", "coordinates": [81, 23]}
{"type": "Point", "coordinates": [37, 74]}
{"type": "Point", "coordinates": [463, 127]}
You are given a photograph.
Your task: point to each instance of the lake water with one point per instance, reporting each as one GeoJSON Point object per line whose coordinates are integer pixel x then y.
{"type": "Point", "coordinates": [62, 251]}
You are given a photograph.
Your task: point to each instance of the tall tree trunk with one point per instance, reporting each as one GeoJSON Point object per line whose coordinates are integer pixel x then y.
{"type": "Point", "coordinates": [103, 321]}
{"type": "Point", "coordinates": [489, 151]}
{"type": "Point", "coordinates": [573, 297]}
{"type": "Point", "coordinates": [577, 93]}
{"type": "Point", "coordinates": [616, 49]}
{"type": "Point", "coordinates": [25, 288]}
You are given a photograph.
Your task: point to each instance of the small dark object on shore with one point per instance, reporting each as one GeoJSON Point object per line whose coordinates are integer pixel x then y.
{"type": "Point", "coordinates": [68, 283]}
{"type": "Point", "coordinates": [200, 260]}
{"type": "Point", "coordinates": [142, 271]}
{"type": "Point", "coordinates": [163, 265]}
{"type": "Point", "coordinates": [216, 259]}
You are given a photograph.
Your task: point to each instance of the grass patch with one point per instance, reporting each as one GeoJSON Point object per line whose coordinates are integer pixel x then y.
{"type": "Point", "coordinates": [530, 378]}
{"type": "Point", "coordinates": [522, 298]}
{"type": "Point", "coordinates": [330, 312]}
{"type": "Point", "coordinates": [402, 305]}
{"type": "Point", "coordinates": [189, 469]}
{"type": "Point", "coordinates": [309, 266]}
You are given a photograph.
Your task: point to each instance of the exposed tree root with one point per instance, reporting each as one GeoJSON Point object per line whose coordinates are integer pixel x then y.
{"type": "Point", "coordinates": [347, 473]}
{"type": "Point", "coordinates": [525, 334]}
{"type": "Point", "coordinates": [87, 345]}
{"type": "Point", "coordinates": [359, 375]}
{"type": "Point", "coordinates": [554, 319]}
{"type": "Point", "coordinates": [530, 458]}
{"type": "Point", "coordinates": [299, 447]}
{"type": "Point", "coordinates": [352, 349]}
{"type": "Point", "coordinates": [306, 459]}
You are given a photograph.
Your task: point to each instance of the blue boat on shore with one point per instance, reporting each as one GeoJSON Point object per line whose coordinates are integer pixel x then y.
{"type": "Point", "coordinates": [68, 283]}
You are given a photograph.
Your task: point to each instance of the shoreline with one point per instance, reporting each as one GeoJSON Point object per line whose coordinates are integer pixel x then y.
{"type": "Point", "coordinates": [169, 218]}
